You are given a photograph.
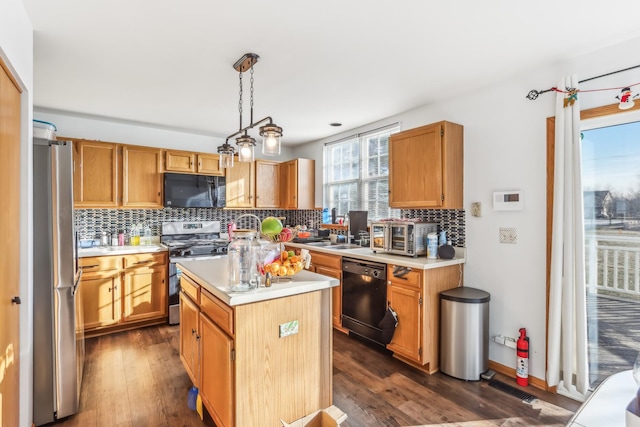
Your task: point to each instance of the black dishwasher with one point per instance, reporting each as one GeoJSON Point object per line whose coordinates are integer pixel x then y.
{"type": "Point", "coordinates": [364, 297]}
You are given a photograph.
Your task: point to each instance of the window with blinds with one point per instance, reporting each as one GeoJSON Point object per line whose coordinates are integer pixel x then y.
{"type": "Point", "coordinates": [356, 171]}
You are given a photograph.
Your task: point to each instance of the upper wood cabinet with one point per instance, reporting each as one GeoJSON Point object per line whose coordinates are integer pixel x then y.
{"type": "Point", "coordinates": [426, 167]}
{"type": "Point", "coordinates": [297, 184]}
{"type": "Point", "coordinates": [142, 177]}
{"type": "Point", "coordinates": [267, 184]}
{"type": "Point", "coordinates": [95, 174]}
{"type": "Point", "coordinates": [240, 184]}
{"type": "Point", "coordinates": [110, 175]}
{"type": "Point", "coordinates": [179, 161]}
{"type": "Point", "coordinates": [189, 162]}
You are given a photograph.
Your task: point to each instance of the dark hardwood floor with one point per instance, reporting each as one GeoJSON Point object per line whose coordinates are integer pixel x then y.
{"type": "Point", "coordinates": [135, 378]}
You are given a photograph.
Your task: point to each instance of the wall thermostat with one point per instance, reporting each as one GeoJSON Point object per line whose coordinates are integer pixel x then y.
{"type": "Point", "coordinates": [508, 200]}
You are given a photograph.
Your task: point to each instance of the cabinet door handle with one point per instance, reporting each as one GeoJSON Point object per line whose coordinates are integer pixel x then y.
{"type": "Point", "coordinates": [143, 262]}
{"type": "Point", "coordinates": [16, 300]}
{"type": "Point", "coordinates": [193, 331]}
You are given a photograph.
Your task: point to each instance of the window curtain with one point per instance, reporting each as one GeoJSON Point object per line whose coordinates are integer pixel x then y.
{"type": "Point", "coordinates": [568, 367]}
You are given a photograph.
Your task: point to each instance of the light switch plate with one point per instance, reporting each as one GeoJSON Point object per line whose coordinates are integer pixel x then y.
{"type": "Point", "coordinates": [289, 328]}
{"type": "Point", "coordinates": [508, 235]}
{"type": "Point", "coordinates": [476, 209]}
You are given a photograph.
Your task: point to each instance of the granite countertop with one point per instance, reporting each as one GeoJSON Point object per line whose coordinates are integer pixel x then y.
{"type": "Point", "coordinates": [365, 253]}
{"type": "Point", "coordinates": [211, 274]}
{"type": "Point", "coordinates": [120, 250]}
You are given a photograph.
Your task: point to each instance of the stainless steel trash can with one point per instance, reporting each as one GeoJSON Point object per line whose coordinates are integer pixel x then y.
{"type": "Point", "coordinates": [464, 332]}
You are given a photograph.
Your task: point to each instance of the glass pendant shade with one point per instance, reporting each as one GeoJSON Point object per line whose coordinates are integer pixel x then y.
{"type": "Point", "coordinates": [226, 153]}
{"type": "Point", "coordinates": [226, 160]}
{"type": "Point", "coordinates": [271, 135]}
{"type": "Point", "coordinates": [245, 148]}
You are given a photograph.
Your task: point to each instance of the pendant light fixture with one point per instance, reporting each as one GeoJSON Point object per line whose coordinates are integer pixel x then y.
{"type": "Point", "coordinates": [270, 132]}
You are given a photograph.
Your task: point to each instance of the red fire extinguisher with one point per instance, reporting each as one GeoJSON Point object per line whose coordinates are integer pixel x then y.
{"type": "Point", "coordinates": [522, 362]}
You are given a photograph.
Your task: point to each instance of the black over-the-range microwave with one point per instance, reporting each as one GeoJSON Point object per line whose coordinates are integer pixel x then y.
{"type": "Point", "coordinates": [194, 191]}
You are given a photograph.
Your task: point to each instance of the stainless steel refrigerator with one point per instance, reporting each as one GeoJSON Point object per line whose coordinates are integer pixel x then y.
{"type": "Point", "coordinates": [58, 334]}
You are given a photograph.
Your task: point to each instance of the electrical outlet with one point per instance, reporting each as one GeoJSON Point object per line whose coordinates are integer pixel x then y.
{"type": "Point", "coordinates": [476, 209]}
{"type": "Point", "coordinates": [508, 235]}
{"type": "Point", "coordinates": [499, 339]}
{"type": "Point", "coordinates": [510, 342]}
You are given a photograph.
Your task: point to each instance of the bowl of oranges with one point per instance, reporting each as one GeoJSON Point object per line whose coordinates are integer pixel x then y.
{"type": "Point", "coordinates": [287, 264]}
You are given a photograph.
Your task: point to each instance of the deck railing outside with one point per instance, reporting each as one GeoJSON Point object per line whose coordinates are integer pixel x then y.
{"type": "Point", "coordinates": [612, 264]}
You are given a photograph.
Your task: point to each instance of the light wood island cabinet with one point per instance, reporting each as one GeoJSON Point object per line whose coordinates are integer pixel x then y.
{"type": "Point", "coordinates": [426, 167]}
{"type": "Point", "coordinates": [249, 372]}
{"type": "Point", "coordinates": [123, 291]}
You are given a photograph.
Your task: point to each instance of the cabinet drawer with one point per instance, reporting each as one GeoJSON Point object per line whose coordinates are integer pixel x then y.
{"type": "Point", "coordinates": [326, 260]}
{"type": "Point", "coordinates": [145, 260]}
{"type": "Point", "coordinates": [190, 288]}
{"type": "Point", "coordinates": [99, 263]}
{"type": "Point", "coordinates": [405, 276]}
{"type": "Point", "coordinates": [216, 310]}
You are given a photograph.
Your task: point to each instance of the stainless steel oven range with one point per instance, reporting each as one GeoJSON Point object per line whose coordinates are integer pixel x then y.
{"type": "Point", "coordinates": [189, 242]}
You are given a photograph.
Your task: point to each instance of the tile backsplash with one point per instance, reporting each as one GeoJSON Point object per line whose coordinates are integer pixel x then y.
{"type": "Point", "coordinates": [91, 222]}
{"type": "Point", "coordinates": [451, 220]}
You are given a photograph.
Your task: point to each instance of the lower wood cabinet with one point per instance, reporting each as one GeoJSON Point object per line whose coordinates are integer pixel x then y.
{"type": "Point", "coordinates": [145, 293]}
{"type": "Point", "coordinates": [120, 292]}
{"type": "Point", "coordinates": [415, 297]}
{"type": "Point", "coordinates": [189, 336]}
{"type": "Point", "coordinates": [206, 350]}
{"type": "Point", "coordinates": [100, 299]}
{"type": "Point", "coordinates": [216, 380]}
{"type": "Point", "coordinates": [407, 303]}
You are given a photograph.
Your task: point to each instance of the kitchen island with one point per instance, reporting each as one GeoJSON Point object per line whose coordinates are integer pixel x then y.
{"type": "Point", "coordinates": [261, 356]}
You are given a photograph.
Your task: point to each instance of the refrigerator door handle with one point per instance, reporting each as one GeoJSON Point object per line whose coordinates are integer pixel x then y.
{"type": "Point", "coordinates": [76, 282]}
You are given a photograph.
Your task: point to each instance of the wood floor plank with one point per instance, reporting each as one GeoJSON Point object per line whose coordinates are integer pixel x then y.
{"type": "Point", "coordinates": [135, 378]}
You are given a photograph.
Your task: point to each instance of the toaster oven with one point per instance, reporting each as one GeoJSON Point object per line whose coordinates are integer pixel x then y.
{"type": "Point", "coordinates": [407, 238]}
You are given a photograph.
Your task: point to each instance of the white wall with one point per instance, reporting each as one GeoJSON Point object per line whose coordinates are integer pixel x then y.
{"type": "Point", "coordinates": [74, 126]}
{"type": "Point", "coordinates": [16, 51]}
{"type": "Point", "coordinates": [505, 148]}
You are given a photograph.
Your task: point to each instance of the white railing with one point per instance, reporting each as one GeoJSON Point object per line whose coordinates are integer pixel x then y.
{"type": "Point", "coordinates": [612, 263]}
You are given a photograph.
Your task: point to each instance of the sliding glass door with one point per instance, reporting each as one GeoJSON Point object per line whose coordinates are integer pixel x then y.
{"type": "Point", "coordinates": [611, 185]}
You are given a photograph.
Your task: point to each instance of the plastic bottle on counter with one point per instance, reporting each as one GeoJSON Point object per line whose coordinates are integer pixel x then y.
{"type": "Point", "coordinates": [146, 239]}
{"type": "Point", "coordinates": [121, 238]}
{"type": "Point", "coordinates": [114, 239]}
{"type": "Point", "coordinates": [432, 245]}
{"type": "Point", "coordinates": [104, 239]}
{"type": "Point", "coordinates": [443, 238]}
{"type": "Point", "coordinates": [135, 236]}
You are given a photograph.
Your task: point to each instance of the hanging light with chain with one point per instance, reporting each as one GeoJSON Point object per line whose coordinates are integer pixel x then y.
{"type": "Point", "coordinates": [270, 132]}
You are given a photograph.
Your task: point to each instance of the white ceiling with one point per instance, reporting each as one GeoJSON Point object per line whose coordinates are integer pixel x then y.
{"type": "Point", "coordinates": [169, 63]}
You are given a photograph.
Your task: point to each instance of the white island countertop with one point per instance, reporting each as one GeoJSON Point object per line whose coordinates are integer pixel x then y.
{"type": "Point", "coordinates": [365, 253]}
{"type": "Point", "coordinates": [212, 275]}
